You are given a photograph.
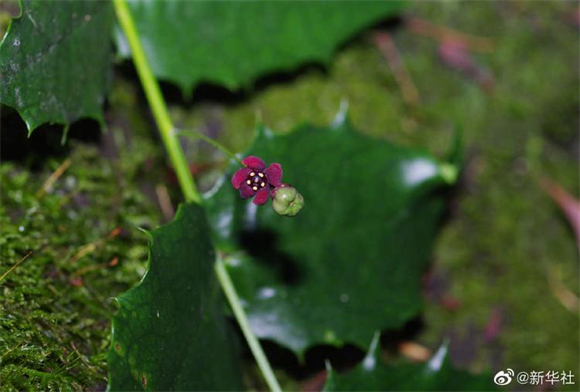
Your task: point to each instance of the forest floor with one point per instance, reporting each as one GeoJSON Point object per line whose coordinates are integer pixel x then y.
{"type": "Point", "coordinates": [505, 255]}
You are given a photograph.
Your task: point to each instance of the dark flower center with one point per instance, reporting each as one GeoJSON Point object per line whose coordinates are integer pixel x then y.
{"type": "Point", "coordinates": [257, 180]}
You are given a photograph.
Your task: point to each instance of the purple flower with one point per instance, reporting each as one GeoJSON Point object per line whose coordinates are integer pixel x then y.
{"type": "Point", "coordinates": [257, 180]}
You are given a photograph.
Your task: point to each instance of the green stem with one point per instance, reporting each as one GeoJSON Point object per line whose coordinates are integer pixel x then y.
{"type": "Point", "coordinates": [240, 314]}
{"type": "Point", "coordinates": [166, 128]}
{"type": "Point", "coordinates": [216, 144]}
{"type": "Point", "coordinates": [157, 103]}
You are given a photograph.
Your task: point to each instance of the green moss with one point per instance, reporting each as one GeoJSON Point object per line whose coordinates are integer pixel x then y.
{"type": "Point", "coordinates": [53, 333]}
{"type": "Point", "coordinates": [496, 250]}
{"type": "Point", "coordinates": [507, 234]}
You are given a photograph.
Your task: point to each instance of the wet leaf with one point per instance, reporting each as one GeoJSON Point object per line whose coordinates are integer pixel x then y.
{"type": "Point", "coordinates": [170, 332]}
{"type": "Point", "coordinates": [55, 61]}
{"type": "Point", "coordinates": [437, 374]}
{"type": "Point", "coordinates": [351, 262]}
{"type": "Point", "coordinates": [232, 43]}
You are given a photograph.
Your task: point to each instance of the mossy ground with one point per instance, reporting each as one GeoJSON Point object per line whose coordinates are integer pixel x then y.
{"type": "Point", "coordinates": [504, 234]}
{"type": "Point", "coordinates": [56, 305]}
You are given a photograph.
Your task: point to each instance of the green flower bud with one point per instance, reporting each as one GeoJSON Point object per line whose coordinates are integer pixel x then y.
{"type": "Point", "coordinates": [287, 201]}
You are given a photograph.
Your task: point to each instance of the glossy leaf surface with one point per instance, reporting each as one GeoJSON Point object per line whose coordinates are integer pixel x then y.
{"type": "Point", "coordinates": [170, 332]}
{"type": "Point", "coordinates": [232, 43]}
{"type": "Point", "coordinates": [351, 262]}
{"type": "Point", "coordinates": [55, 61]}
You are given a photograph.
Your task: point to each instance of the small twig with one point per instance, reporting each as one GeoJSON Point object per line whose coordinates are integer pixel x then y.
{"type": "Point", "coordinates": [445, 34]}
{"type": "Point", "coordinates": [76, 276]}
{"type": "Point", "coordinates": [566, 297]}
{"type": "Point", "coordinates": [89, 248]}
{"type": "Point", "coordinates": [85, 250]}
{"type": "Point", "coordinates": [569, 205]}
{"type": "Point", "coordinates": [92, 267]}
{"type": "Point", "coordinates": [389, 50]}
{"type": "Point", "coordinates": [15, 265]}
{"type": "Point", "coordinates": [164, 202]}
{"type": "Point", "coordinates": [53, 177]}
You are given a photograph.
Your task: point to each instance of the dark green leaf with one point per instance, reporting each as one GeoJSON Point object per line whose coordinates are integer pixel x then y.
{"type": "Point", "coordinates": [170, 332]}
{"type": "Point", "coordinates": [351, 262]}
{"type": "Point", "coordinates": [55, 61]}
{"type": "Point", "coordinates": [233, 42]}
{"type": "Point", "coordinates": [435, 375]}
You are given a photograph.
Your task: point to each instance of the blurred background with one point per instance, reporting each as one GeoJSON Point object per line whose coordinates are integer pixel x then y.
{"type": "Point", "coordinates": [504, 281]}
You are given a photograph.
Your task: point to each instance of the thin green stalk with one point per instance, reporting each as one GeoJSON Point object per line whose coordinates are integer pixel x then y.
{"type": "Point", "coordinates": [240, 314]}
{"type": "Point", "coordinates": [216, 144]}
{"type": "Point", "coordinates": [157, 103]}
{"type": "Point", "coordinates": [166, 128]}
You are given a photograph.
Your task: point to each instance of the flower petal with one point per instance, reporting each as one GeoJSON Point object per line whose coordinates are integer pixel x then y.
{"type": "Point", "coordinates": [262, 196]}
{"type": "Point", "coordinates": [254, 163]}
{"type": "Point", "coordinates": [274, 174]}
{"type": "Point", "coordinates": [240, 176]}
{"type": "Point", "coordinates": [246, 191]}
